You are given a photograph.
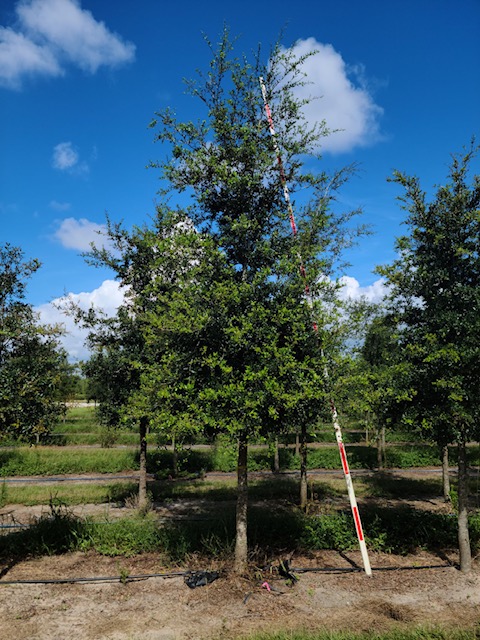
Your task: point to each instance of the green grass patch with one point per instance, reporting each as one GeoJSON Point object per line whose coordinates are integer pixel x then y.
{"type": "Point", "coordinates": [52, 461]}
{"type": "Point", "coordinates": [124, 537]}
{"type": "Point", "coordinates": [79, 420]}
{"type": "Point", "coordinates": [70, 495]}
{"type": "Point", "coordinates": [51, 535]}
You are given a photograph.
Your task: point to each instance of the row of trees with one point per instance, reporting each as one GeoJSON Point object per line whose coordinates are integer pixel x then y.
{"type": "Point", "coordinates": [214, 334]}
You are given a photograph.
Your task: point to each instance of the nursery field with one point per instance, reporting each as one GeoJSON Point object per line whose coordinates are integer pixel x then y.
{"type": "Point", "coordinates": [76, 560]}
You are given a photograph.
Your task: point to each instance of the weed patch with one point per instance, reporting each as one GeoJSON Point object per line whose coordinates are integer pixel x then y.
{"type": "Point", "coordinates": [399, 530]}
{"type": "Point", "coordinates": [50, 535]}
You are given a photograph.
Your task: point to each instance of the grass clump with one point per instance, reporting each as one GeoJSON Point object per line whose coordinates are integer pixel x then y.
{"type": "Point", "coordinates": [124, 537]}
{"type": "Point", "coordinates": [56, 533]}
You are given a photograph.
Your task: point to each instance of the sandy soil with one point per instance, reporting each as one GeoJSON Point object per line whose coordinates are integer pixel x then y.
{"type": "Point", "coordinates": [403, 592]}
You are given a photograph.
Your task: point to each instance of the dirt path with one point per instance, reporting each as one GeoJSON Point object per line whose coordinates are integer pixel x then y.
{"type": "Point", "coordinates": [403, 592]}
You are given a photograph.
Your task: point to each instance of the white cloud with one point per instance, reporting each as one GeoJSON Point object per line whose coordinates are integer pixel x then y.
{"type": "Point", "coordinates": [352, 290]}
{"type": "Point", "coordinates": [341, 98]}
{"type": "Point", "coordinates": [20, 56]}
{"type": "Point", "coordinates": [108, 297]}
{"type": "Point", "coordinates": [59, 206]}
{"type": "Point", "coordinates": [64, 156]}
{"type": "Point", "coordinates": [79, 234]}
{"type": "Point", "coordinates": [52, 33]}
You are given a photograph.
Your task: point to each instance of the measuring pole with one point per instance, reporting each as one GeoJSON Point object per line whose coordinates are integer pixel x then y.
{"type": "Point", "coordinates": [336, 424]}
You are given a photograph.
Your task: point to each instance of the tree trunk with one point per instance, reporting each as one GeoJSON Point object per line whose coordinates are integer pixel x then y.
{"type": "Point", "coordinates": [463, 534]}
{"type": "Point", "coordinates": [142, 482]}
{"type": "Point", "coordinates": [241, 545]}
{"type": "Point", "coordinates": [445, 476]}
{"type": "Point", "coordinates": [276, 457]}
{"type": "Point", "coordinates": [303, 468]}
{"type": "Point", "coordinates": [174, 457]}
{"type": "Point", "coordinates": [381, 457]}
{"type": "Point", "coordinates": [297, 444]}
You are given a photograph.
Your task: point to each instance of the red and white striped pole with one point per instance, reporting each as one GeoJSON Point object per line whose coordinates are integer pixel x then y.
{"type": "Point", "coordinates": [336, 424]}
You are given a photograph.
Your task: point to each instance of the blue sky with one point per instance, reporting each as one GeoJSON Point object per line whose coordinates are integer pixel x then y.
{"type": "Point", "coordinates": [81, 79]}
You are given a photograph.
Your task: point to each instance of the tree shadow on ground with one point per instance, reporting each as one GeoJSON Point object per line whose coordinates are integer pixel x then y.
{"type": "Point", "coordinates": [387, 484]}
{"type": "Point", "coordinates": [269, 487]}
{"type": "Point", "coordinates": [271, 531]}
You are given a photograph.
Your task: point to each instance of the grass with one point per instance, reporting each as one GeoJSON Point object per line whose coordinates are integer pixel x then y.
{"type": "Point", "coordinates": [49, 461]}
{"type": "Point", "coordinates": [54, 461]}
{"type": "Point", "coordinates": [211, 534]}
{"type": "Point", "coordinates": [70, 495]}
{"type": "Point", "coordinates": [82, 428]}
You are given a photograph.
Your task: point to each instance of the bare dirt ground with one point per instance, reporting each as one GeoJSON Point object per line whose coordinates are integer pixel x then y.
{"type": "Point", "coordinates": [404, 592]}
{"type": "Point", "coordinates": [416, 590]}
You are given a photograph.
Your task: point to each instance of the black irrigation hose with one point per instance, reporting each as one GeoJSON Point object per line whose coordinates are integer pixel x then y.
{"type": "Point", "coordinates": [176, 574]}
{"type": "Point", "coordinates": [128, 578]}
{"type": "Point", "coordinates": [360, 569]}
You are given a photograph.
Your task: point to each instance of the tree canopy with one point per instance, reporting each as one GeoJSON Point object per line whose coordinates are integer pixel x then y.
{"type": "Point", "coordinates": [214, 291]}
{"type": "Point", "coordinates": [435, 290]}
{"type": "Point", "coordinates": [32, 364]}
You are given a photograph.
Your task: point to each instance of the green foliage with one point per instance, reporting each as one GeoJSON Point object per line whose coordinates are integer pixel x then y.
{"type": "Point", "coordinates": [404, 529]}
{"type": "Point", "coordinates": [46, 461]}
{"type": "Point", "coordinates": [435, 295]}
{"type": "Point", "coordinates": [32, 365]}
{"type": "Point", "coordinates": [434, 286]}
{"type": "Point", "coordinates": [108, 437]}
{"type": "Point", "coordinates": [374, 383]}
{"type": "Point", "coordinates": [214, 335]}
{"type": "Point", "coordinates": [123, 537]}
{"type": "Point", "coordinates": [329, 531]}
{"type": "Point", "coordinates": [110, 371]}
{"type": "Point", "coordinates": [3, 494]}
{"type": "Point", "coordinates": [398, 530]}
{"type": "Point", "coordinates": [224, 455]}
